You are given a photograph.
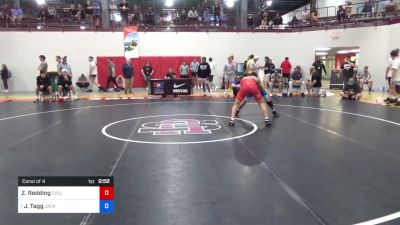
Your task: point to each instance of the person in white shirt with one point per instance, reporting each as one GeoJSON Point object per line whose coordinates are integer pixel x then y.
{"type": "Point", "coordinates": [305, 14]}
{"type": "Point", "coordinates": [193, 15]}
{"type": "Point", "coordinates": [93, 75]}
{"type": "Point", "coordinates": [394, 90]}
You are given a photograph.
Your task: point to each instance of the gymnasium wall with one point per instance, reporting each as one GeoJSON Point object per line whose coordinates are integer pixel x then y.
{"type": "Point", "coordinates": [20, 50]}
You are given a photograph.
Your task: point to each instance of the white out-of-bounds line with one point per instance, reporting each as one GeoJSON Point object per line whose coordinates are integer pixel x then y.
{"type": "Point", "coordinates": [381, 219]}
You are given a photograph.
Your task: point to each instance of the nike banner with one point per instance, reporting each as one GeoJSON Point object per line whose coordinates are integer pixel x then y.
{"type": "Point", "coordinates": [171, 87]}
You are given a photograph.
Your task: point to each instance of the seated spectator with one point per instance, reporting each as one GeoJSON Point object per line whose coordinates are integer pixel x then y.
{"type": "Point", "coordinates": [43, 85]}
{"type": "Point", "coordinates": [365, 78]}
{"type": "Point", "coordinates": [4, 77]}
{"type": "Point", "coordinates": [314, 16]}
{"type": "Point", "coordinates": [296, 79]}
{"type": "Point", "coordinates": [391, 7]}
{"type": "Point", "coordinates": [80, 13]}
{"type": "Point", "coordinates": [367, 8]}
{"type": "Point", "coordinates": [193, 15]}
{"type": "Point", "coordinates": [136, 15]}
{"type": "Point", "coordinates": [341, 14]}
{"type": "Point", "coordinates": [183, 17]}
{"type": "Point", "coordinates": [73, 12]}
{"type": "Point", "coordinates": [305, 15]}
{"type": "Point", "coordinates": [149, 17]}
{"type": "Point", "coordinates": [83, 82]}
{"type": "Point", "coordinates": [351, 90]}
{"type": "Point", "coordinates": [16, 14]}
{"type": "Point", "coordinates": [65, 83]}
{"type": "Point", "coordinates": [171, 74]}
{"type": "Point", "coordinates": [5, 12]}
{"type": "Point", "coordinates": [276, 81]}
{"type": "Point", "coordinates": [52, 12]}
{"type": "Point", "coordinates": [315, 83]}
{"type": "Point", "coordinates": [43, 13]}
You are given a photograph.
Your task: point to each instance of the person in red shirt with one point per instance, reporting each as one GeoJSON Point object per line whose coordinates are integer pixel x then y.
{"type": "Point", "coordinates": [286, 67]}
{"type": "Point", "coordinates": [249, 86]}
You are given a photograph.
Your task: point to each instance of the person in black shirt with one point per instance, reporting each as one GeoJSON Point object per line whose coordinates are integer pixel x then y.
{"type": "Point", "coordinates": [315, 82]}
{"type": "Point", "coordinates": [147, 73]}
{"type": "Point", "coordinates": [124, 9]}
{"type": "Point", "coordinates": [319, 66]}
{"type": "Point", "coordinates": [347, 70]}
{"type": "Point", "coordinates": [204, 75]}
{"type": "Point", "coordinates": [170, 74]}
{"type": "Point", "coordinates": [4, 77]}
{"type": "Point", "coordinates": [352, 90]}
{"type": "Point", "coordinates": [43, 84]}
{"type": "Point", "coordinates": [65, 83]}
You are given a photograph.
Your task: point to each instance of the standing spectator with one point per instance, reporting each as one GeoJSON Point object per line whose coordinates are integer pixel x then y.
{"type": "Point", "coordinates": [341, 14]}
{"type": "Point", "coordinates": [252, 65]}
{"type": "Point", "coordinates": [212, 67]}
{"type": "Point", "coordinates": [395, 81]}
{"type": "Point", "coordinates": [170, 74]}
{"type": "Point", "coordinates": [194, 68]}
{"type": "Point", "coordinates": [229, 74]}
{"type": "Point", "coordinates": [5, 12]}
{"type": "Point", "coordinates": [43, 13]}
{"type": "Point", "coordinates": [319, 66]}
{"type": "Point", "coordinates": [206, 13]}
{"type": "Point", "coordinates": [80, 13]}
{"type": "Point", "coordinates": [388, 73]}
{"type": "Point", "coordinates": [315, 84]}
{"type": "Point", "coordinates": [305, 15]}
{"type": "Point", "coordinates": [147, 73]}
{"type": "Point", "coordinates": [16, 14]}
{"type": "Point", "coordinates": [349, 6]}
{"type": "Point", "coordinates": [347, 70]}
{"type": "Point", "coordinates": [96, 12]}
{"type": "Point", "coordinates": [127, 71]}
{"type": "Point", "coordinates": [217, 12]}
{"type": "Point", "coordinates": [267, 72]}
{"type": "Point", "coordinates": [351, 90]}
{"type": "Point", "coordinates": [204, 75]}
{"type": "Point", "coordinates": [278, 20]}
{"type": "Point", "coordinates": [82, 82]}
{"type": "Point", "coordinates": [73, 12]}
{"type": "Point", "coordinates": [286, 67]}
{"type": "Point", "coordinates": [43, 84]}
{"type": "Point", "coordinates": [124, 9]}
{"type": "Point", "coordinates": [149, 17]}
{"type": "Point", "coordinates": [65, 65]}
{"type": "Point", "coordinates": [136, 15]}
{"type": "Point", "coordinates": [184, 70]}
{"type": "Point", "coordinates": [113, 12]}
{"type": "Point", "coordinates": [184, 17]}
{"type": "Point", "coordinates": [93, 74]}
{"type": "Point", "coordinates": [89, 13]}
{"type": "Point", "coordinates": [52, 11]}
{"type": "Point", "coordinates": [297, 80]}
{"type": "Point", "coordinates": [111, 75]}
{"type": "Point", "coordinates": [264, 20]}
{"type": "Point", "coordinates": [43, 64]}
{"type": "Point", "coordinates": [4, 77]}
{"type": "Point", "coordinates": [193, 15]}
{"type": "Point", "coordinates": [365, 78]}
{"type": "Point", "coordinates": [367, 8]}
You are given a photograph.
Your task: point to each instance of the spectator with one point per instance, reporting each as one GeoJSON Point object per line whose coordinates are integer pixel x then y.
{"type": "Point", "coordinates": [206, 13]}
{"type": "Point", "coordinates": [52, 12]}
{"type": "Point", "coordinates": [111, 75]}
{"type": "Point", "coordinates": [351, 90]}
{"type": "Point", "coordinates": [217, 12]}
{"type": "Point", "coordinates": [43, 13]}
{"type": "Point", "coordinates": [264, 20]}
{"type": "Point", "coordinates": [89, 12]}
{"type": "Point", "coordinates": [314, 16]}
{"type": "Point", "coordinates": [294, 21]}
{"type": "Point", "coordinates": [212, 67]}
{"type": "Point", "coordinates": [65, 84]}
{"type": "Point", "coordinates": [276, 81]}
{"type": "Point", "coordinates": [388, 73]}
{"type": "Point", "coordinates": [297, 80]}
{"type": "Point", "coordinates": [93, 74]}
{"type": "Point", "coordinates": [286, 67]}
{"type": "Point", "coordinates": [394, 88]}
{"type": "Point", "coordinates": [80, 13]}
{"type": "Point", "coordinates": [367, 8]}
{"type": "Point", "coordinates": [65, 65]}
{"type": "Point", "coordinates": [229, 74]}
{"type": "Point", "coordinates": [267, 71]}
{"type": "Point", "coordinates": [341, 14]}
{"type": "Point", "coordinates": [391, 7]}
{"type": "Point", "coordinates": [319, 66]}
{"type": "Point", "coordinates": [149, 17]}
{"type": "Point", "coordinates": [96, 6]}
{"type": "Point", "coordinates": [43, 84]}
{"type": "Point", "coordinates": [170, 74]}
{"type": "Point", "coordinates": [278, 20]}
{"type": "Point", "coordinates": [73, 12]}
{"type": "Point", "coordinates": [305, 15]}
{"type": "Point", "coordinates": [193, 15]}
{"type": "Point", "coordinates": [366, 78]}
{"type": "Point", "coordinates": [4, 77]}
{"type": "Point", "coordinates": [59, 66]}
{"type": "Point", "coordinates": [204, 75]}
{"type": "Point", "coordinates": [113, 12]}
{"type": "Point", "coordinates": [316, 83]}
{"type": "Point", "coordinates": [136, 15]}
{"type": "Point", "coordinates": [43, 64]}
{"type": "Point", "coordinates": [184, 70]}
{"type": "Point", "coordinates": [16, 14]}
{"type": "Point", "coordinates": [184, 17]}
{"type": "Point", "coordinates": [349, 6]}
{"type": "Point", "coordinates": [347, 70]}
{"type": "Point", "coordinates": [147, 73]}
{"type": "Point", "coordinates": [194, 68]}
{"type": "Point", "coordinates": [124, 10]}
{"type": "Point", "coordinates": [127, 71]}
{"type": "Point", "coordinates": [82, 82]}
{"type": "Point", "coordinates": [5, 13]}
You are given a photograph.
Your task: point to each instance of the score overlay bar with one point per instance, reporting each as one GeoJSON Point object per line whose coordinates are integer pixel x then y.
{"type": "Point", "coordinates": [66, 195]}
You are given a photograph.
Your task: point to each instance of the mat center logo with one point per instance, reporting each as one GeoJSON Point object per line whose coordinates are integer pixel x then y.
{"type": "Point", "coordinates": [180, 127]}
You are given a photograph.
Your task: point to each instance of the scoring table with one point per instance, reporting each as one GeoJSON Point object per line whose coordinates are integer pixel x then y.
{"type": "Point", "coordinates": [66, 195]}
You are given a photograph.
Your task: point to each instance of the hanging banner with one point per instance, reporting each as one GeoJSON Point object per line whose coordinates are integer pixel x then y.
{"type": "Point", "coordinates": [131, 42]}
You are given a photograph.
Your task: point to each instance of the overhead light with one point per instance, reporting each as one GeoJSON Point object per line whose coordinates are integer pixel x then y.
{"type": "Point", "coordinates": [323, 49]}
{"type": "Point", "coordinates": [41, 2]}
{"type": "Point", "coordinates": [169, 3]}
{"type": "Point", "coordinates": [269, 3]}
{"type": "Point", "coordinates": [343, 52]}
{"type": "Point", "coordinates": [321, 53]}
{"type": "Point", "coordinates": [230, 3]}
